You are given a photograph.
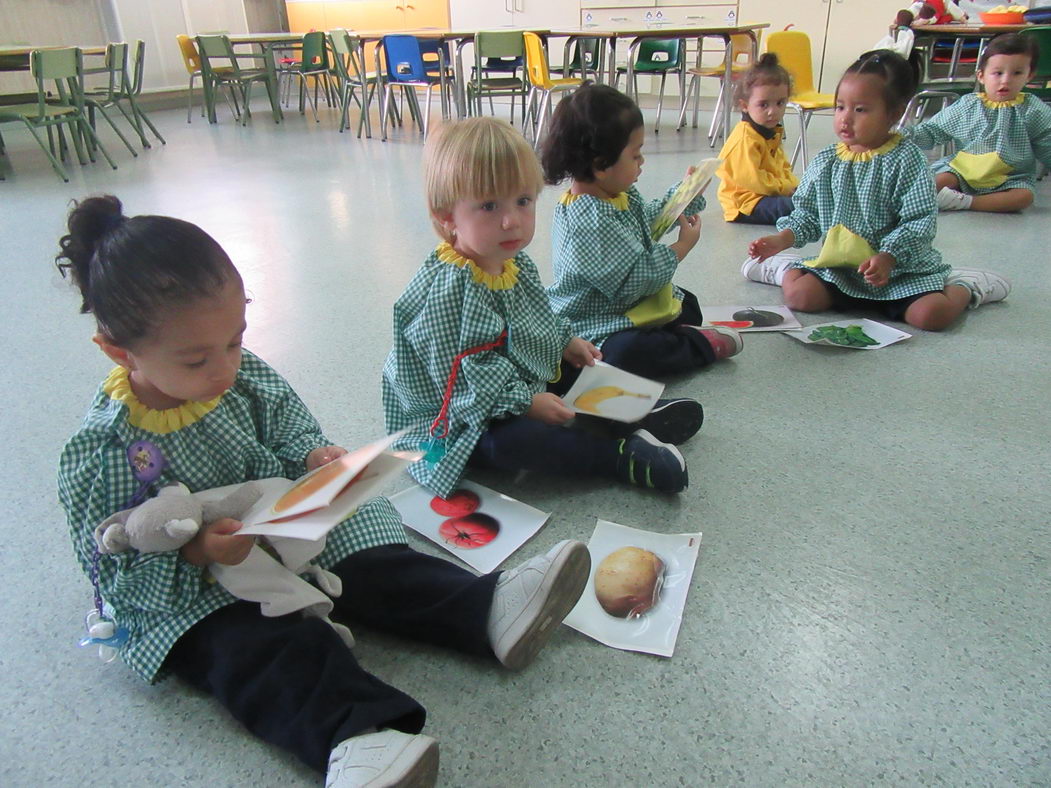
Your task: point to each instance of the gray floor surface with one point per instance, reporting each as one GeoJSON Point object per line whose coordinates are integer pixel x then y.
{"type": "Point", "coordinates": [871, 600]}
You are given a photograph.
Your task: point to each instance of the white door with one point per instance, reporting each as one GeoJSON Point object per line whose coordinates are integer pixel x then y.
{"type": "Point", "coordinates": [854, 26]}
{"type": "Point", "coordinates": [480, 14]}
{"type": "Point", "coordinates": [543, 14]}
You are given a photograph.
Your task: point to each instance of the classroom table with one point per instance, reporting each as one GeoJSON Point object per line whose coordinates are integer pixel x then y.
{"type": "Point", "coordinates": [957, 32]}
{"type": "Point", "coordinates": [638, 35]}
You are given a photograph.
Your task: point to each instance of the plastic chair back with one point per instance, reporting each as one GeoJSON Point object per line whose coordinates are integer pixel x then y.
{"type": "Point", "coordinates": [660, 54]}
{"type": "Point", "coordinates": [536, 60]}
{"type": "Point", "coordinates": [190, 58]}
{"type": "Point", "coordinates": [216, 47]}
{"type": "Point", "coordinates": [64, 67]}
{"type": "Point", "coordinates": [315, 55]}
{"type": "Point", "coordinates": [404, 59]}
{"type": "Point", "coordinates": [585, 54]}
{"type": "Point", "coordinates": [499, 44]}
{"type": "Point", "coordinates": [792, 48]}
{"type": "Point", "coordinates": [1042, 34]}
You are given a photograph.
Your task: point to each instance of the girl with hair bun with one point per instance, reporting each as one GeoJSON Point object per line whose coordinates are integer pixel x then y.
{"type": "Point", "coordinates": [756, 181]}
{"type": "Point", "coordinates": [186, 403]}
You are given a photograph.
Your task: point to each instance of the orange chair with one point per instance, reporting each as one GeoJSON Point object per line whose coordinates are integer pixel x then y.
{"type": "Point", "coordinates": [792, 48]}
{"type": "Point", "coordinates": [543, 86]}
{"type": "Point", "coordinates": [740, 61]}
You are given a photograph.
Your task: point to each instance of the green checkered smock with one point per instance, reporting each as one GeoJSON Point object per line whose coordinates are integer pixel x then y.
{"type": "Point", "coordinates": [258, 429]}
{"type": "Point", "coordinates": [605, 262]}
{"type": "Point", "coordinates": [883, 198]}
{"type": "Point", "coordinates": [999, 142]}
{"type": "Point", "coordinates": [450, 306]}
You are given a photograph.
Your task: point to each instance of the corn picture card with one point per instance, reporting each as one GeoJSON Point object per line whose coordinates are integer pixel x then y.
{"type": "Point", "coordinates": [692, 185]}
{"type": "Point", "coordinates": [312, 505]}
{"type": "Point", "coordinates": [479, 526]}
{"type": "Point", "coordinates": [612, 393]}
{"type": "Point", "coordinates": [751, 318]}
{"type": "Point", "coordinates": [636, 593]}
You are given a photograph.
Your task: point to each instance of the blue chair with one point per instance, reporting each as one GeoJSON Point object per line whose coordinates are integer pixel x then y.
{"type": "Point", "coordinates": [405, 67]}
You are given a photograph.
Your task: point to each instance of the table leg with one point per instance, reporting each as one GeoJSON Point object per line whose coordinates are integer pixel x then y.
{"type": "Point", "coordinates": [460, 88]}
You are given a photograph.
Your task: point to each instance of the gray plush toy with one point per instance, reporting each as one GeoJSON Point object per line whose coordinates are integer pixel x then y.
{"type": "Point", "coordinates": [169, 520]}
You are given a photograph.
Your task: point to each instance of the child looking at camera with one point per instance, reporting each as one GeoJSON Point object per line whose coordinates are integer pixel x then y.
{"type": "Point", "coordinates": [1002, 134]}
{"type": "Point", "coordinates": [613, 282]}
{"type": "Point", "coordinates": [756, 181]}
{"type": "Point", "coordinates": [477, 347]}
{"type": "Point", "coordinates": [871, 196]}
{"type": "Point", "coordinates": [169, 306]}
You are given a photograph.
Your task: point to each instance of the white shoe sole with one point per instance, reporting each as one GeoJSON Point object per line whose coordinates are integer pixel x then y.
{"type": "Point", "coordinates": [416, 767]}
{"type": "Point", "coordinates": [562, 586]}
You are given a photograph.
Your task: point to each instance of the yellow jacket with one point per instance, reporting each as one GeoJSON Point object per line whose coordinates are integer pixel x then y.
{"type": "Point", "coordinates": [753, 167]}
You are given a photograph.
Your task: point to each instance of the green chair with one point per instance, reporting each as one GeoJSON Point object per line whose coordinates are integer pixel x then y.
{"type": "Point", "coordinates": [503, 45]}
{"type": "Point", "coordinates": [1039, 84]}
{"type": "Point", "coordinates": [312, 63]}
{"type": "Point", "coordinates": [217, 52]}
{"type": "Point", "coordinates": [586, 60]}
{"type": "Point", "coordinates": [349, 70]}
{"type": "Point", "coordinates": [64, 68]}
{"type": "Point", "coordinates": [115, 69]}
{"type": "Point", "coordinates": [655, 56]}
{"type": "Point", "coordinates": [138, 60]}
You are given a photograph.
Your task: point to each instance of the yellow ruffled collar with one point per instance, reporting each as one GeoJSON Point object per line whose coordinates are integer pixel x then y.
{"type": "Point", "coordinates": [847, 154]}
{"type": "Point", "coordinates": [505, 281]}
{"type": "Point", "coordinates": [620, 202]}
{"type": "Point", "coordinates": [1020, 98]}
{"type": "Point", "coordinates": [117, 387]}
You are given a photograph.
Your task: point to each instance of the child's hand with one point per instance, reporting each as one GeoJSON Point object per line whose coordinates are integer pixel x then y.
{"type": "Point", "coordinates": [580, 353]}
{"type": "Point", "coordinates": [549, 408]}
{"type": "Point", "coordinates": [690, 171]}
{"type": "Point", "coordinates": [768, 245]}
{"type": "Point", "coordinates": [689, 234]}
{"type": "Point", "coordinates": [877, 268]}
{"type": "Point", "coordinates": [218, 543]}
{"type": "Point", "coordinates": [323, 455]}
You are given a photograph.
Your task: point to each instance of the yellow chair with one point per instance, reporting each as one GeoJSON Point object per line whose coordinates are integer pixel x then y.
{"type": "Point", "coordinates": [792, 48]}
{"type": "Point", "coordinates": [542, 85]}
{"type": "Point", "coordinates": [192, 60]}
{"type": "Point", "coordinates": [740, 61]}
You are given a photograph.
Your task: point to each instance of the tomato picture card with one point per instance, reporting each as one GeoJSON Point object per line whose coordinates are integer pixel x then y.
{"type": "Point", "coordinates": [612, 393]}
{"type": "Point", "coordinates": [751, 318]}
{"type": "Point", "coordinates": [479, 526]}
{"type": "Point", "coordinates": [636, 593]}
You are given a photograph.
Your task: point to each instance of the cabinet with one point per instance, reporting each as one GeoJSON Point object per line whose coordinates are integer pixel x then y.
{"type": "Point", "coordinates": [306, 15]}
{"type": "Point", "coordinates": [839, 30]}
{"type": "Point", "coordinates": [483, 14]}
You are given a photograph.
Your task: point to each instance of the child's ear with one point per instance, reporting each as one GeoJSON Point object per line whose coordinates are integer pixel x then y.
{"type": "Point", "coordinates": [445, 219]}
{"type": "Point", "coordinates": [120, 356]}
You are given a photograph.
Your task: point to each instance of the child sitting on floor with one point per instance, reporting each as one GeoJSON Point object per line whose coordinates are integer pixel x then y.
{"type": "Point", "coordinates": [613, 282]}
{"type": "Point", "coordinates": [476, 344]}
{"type": "Point", "coordinates": [1002, 133]}
{"type": "Point", "coordinates": [170, 312]}
{"type": "Point", "coordinates": [756, 181]}
{"type": "Point", "coordinates": [871, 196]}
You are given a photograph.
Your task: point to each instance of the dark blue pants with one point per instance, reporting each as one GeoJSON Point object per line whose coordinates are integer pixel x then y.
{"type": "Point", "coordinates": [671, 349]}
{"type": "Point", "coordinates": [767, 211]}
{"type": "Point", "coordinates": [293, 682]}
{"type": "Point", "coordinates": [520, 443]}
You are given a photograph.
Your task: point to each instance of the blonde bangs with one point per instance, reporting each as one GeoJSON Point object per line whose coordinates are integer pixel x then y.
{"type": "Point", "coordinates": [478, 158]}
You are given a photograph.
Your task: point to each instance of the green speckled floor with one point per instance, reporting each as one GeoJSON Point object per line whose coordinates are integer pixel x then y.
{"type": "Point", "coordinates": [871, 601]}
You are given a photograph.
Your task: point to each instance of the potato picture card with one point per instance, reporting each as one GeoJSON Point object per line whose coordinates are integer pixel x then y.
{"type": "Point", "coordinates": [692, 185]}
{"type": "Point", "coordinates": [479, 526]}
{"type": "Point", "coordinates": [635, 596]}
{"type": "Point", "coordinates": [751, 318]}
{"type": "Point", "coordinates": [311, 506]}
{"type": "Point", "coordinates": [612, 393]}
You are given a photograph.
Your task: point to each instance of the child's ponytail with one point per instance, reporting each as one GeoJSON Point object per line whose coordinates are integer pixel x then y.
{"type": "Point", "coordinates": [767, 70]}
{"type": "Point", "coordinates": [129, 270]}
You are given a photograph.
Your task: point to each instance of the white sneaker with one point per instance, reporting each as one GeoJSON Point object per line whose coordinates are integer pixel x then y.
{"type": "Point", "coordinates": [531, 600]}
{"type": "Point", "coordinates": [952, 200]}
{"type": "Point", "coordinates": [985, 286]}
{"type": "Point", "coordinates": [387, 759]}
{"type": "Point", "coordinates": [770, 271]}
